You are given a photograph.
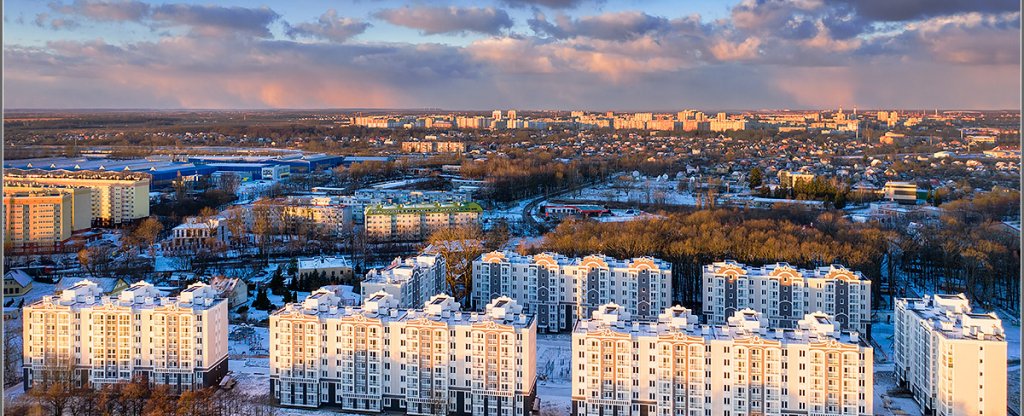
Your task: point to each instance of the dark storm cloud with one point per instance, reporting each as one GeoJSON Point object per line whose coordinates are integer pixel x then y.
{"type": "Point", "coordinates": [329, 27]}
{"type": "Point", "coordinates": [451, 20]}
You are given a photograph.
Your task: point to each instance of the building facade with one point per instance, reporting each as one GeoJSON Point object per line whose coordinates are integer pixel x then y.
{"type": "Point", "coordinates": [176, 341]}
{"type": "Point", "coordinates": [418, 221]}
{"type": "Point", "coordinates": [434, 360]}
{"type": "Point", "coordinates": [785, 294]}
{"type": "Point", "coordinates": [952, 360]}
{"type": "Point", "coordinates": [196, 233]}
{"type": "Point", "coordinates": [559, 289]}
{"type": "Point", "coordinates": [38, 218]}
{"type": "Point", "coordinates": [115, 197]}
{"type": "Point", "coordinates": [411, 281]}
{"type": "Point", "coordinates": [676, 367]}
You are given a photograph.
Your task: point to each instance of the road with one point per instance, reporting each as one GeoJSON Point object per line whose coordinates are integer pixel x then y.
{"type": "Point", "coordinates": [528, 209]}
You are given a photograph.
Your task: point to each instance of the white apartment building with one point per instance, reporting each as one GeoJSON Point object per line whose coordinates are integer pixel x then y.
{"type": "Point", "coordinates": [197, 233]}
{"type": "Point", "coordinates": [116, 197]}
{"type": "Point", "coordinates": [785, 294]}
{"type": "Point", "coordinates": [411, 281]}
{"type": "Point", "coordinates": [177, 341]}
{"type": "Point", "coordinates": [953, 360]}
{"type": "Point", "coordinates": [559, 289]}
{"type": "Point", "coordinates": [676, 367]}
{"type": "Point", "coordinates": [434, 360]}
{"type": "Point", "coordinates": [300, 216]}
{"type": "Point", "coordinates": [417, 221]}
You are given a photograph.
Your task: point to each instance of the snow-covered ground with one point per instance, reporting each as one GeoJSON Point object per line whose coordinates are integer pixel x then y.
{"type": "Point", "coordinates": [641, 191]}
{"type": "Point", "coordinates": [554, 373]}
{"type": "Point", "coordinates": [623, 215]}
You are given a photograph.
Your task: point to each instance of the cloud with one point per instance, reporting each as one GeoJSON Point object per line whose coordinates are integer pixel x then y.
{"type": "Point", "coordinates": [903, 10]}
{"type": "Point", "coordinates": [608, 26]}
{"type": "Point", "coordinates": [553, 4]}
{"type": "Point", "coordinates": [114, 11]}
{"type": "Point", "coordinates": [217, 20]}
{"type": "Point", "coordinates": [450, 20]}
{"type": "Point", "coordinates": [329, 27]}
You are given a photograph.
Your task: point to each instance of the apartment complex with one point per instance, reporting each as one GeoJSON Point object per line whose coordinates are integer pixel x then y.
{"type": "Point", "coordinates": [953, 360]}
{"type": "Point", "coordinates": [378, 357]}
{"type": "Point", "coordinates": [115, 197]}
{"type": "Point", "coordinates": [676, 367]}
{"type": "Point", "coordinates": [37, 218]}
{"type": "Point", "coordinates": [411, 281]}
{"type": "Point", "coordinates": [785, 294]}
{"type": "Point", "coordinates": [177, 341]}
{"type": "Point", "coordinates": [418, 221]}
{"type": "Point", "coordinates": [559, 289]}
{"type": "Point", "coordinates": [434, 147]}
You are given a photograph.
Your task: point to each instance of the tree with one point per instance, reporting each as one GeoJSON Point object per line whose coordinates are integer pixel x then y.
{"type": "Point", "coordinates": [756, 178]}
{"type": "Point", "coordinates": [230, 182]}
{"type": "Point", "coordinates": [277, 282]}
{"type": "Point", "coordinates": [54, 385]}
{"type": "Point", "coordinates": [12, 352]}
{"type": "Point", "coordinates": [160, 402]}
{"type": "Point", "coordinates": [96, 259]}
{"type": "Point", "coordinates": [147, 232]}
{"type": "Point", "coordinates": [458, 246]}
{"type": "Point", "coordinates": [262, 302]}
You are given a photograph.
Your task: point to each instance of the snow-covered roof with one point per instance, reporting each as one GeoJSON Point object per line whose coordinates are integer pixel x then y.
{"type": "Point", "coordinates": [19, 276]}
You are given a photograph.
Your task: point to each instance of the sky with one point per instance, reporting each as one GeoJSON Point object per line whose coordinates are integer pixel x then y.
{"type": "Point", "coordinates": [597, 55]}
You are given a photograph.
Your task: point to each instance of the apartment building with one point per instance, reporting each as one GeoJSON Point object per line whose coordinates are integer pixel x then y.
{"type": "Point", "coordinates": [411, 281]}
{"type": "Point", "coordinates": [115, 197]}
{"type": "Point", "coordinates": [559, 289]}
{"type": "Point", "coordinates": [197, 233]}
{"type": "Point", "coordinates": [177, 341]}
{"type": "Point", "coordinates": [785, 294]}
{"type": "Point", "coordinates": [417, 221]}
{"type": "Point", "coordinates": [434, 147]}
{"type": "Point", "coordinates": [300, 216]}
{"type": "Point", "coordinates": [81, 202]}
{"type": "Point", "coordinates": [676, 367]}
{"type": "Point", "coordinates": [370, 197]}
{"type": "Point", "coordinates": [952, 360]}
{"type": "Point", "coordinates": [428, 361]}
{"type": "Point", "coordinates": [38, 218]}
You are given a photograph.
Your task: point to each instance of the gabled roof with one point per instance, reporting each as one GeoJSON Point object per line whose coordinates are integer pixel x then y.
{"type": "Point", "coordinates": [19, 276]}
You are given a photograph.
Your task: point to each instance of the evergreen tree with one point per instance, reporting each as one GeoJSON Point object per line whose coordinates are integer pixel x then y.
{"type": "Point", "coordinates": [756, 178]}
{"type": "Point", "coordinates": [262, 302]}
{"type": "Point", "coordinates": [277, 282]}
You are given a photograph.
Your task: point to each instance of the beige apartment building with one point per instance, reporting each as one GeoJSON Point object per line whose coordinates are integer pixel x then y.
{"type": "Point", "coordinates": [560, 289]}
{"type": "Point", "coordinates": [378, 357]}
{"type": "Point", "coordinates": [37, 218]}
{"type": "Point", "coordinates": [176, 341]}
{"type": "Point", "coordinates": [411, 281]}
{"type": "Point", "coordinates": [676, 367]}
{"type": "Point", "coordinates": [952, 360]}
{"type": "Point", "coordinates": [784, 294]}
{"type": "Point", "coordinates": [433, 147]}
{"type": "Point", "coordinates": [115, 197]}
{"type": "Point", "coordinates": [418, 221]}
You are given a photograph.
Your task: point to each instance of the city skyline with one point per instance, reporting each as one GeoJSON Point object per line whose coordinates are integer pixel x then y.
{"type": "Point", "coordinates": [542, 54]}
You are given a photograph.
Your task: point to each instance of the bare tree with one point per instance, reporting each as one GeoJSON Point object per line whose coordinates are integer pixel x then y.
{"type": "Point", "coordinates": [459, 246]}
{"type": "Point", "coordinates": [54, 385]}
{"type": "Point", "coordinates": [12, 352]}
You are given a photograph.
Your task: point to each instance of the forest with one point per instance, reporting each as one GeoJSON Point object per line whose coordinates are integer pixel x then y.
{"type": "Point", "coordinates": [978, 256]}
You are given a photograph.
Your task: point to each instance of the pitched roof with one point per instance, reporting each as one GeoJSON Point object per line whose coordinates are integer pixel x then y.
{"type": "Point", "coordinates": [19, 276]}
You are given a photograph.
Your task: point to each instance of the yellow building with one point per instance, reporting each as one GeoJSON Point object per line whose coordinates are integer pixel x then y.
{"type": "Point", "coordinates": [417, 221]}
{"type": "Point", "coordinates": [37, 218]}
{"type": "Point", "coordinates": [115, 197]}
{"type": "Point", "coordinates": [81, 202]}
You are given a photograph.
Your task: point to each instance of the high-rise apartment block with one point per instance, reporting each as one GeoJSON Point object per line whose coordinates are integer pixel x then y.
{"type": "Point", "coordinates": [115, 197]}
{"type": "Point", "coordinates": [952, 360]}
{"type": "Point", "coordinates": [378, 357]}
{"type": "Point", "coordinates": [785, 294]}
{"type": "Point", "coordinates": [37, 218]}
{"type": "Point", "coordinates": [559, 289]}
{"type": "Point", "coordinates": [178, 341]}
{"type": "Point", "coordinates": [411, 281]}
{"type": "Point", "coordinates": [417, 221]}
{"type": "Point", "coordinates": [676, 367]}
